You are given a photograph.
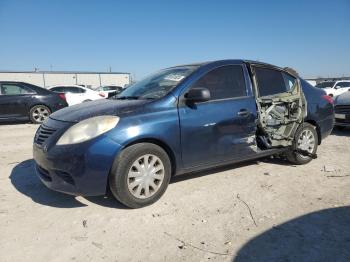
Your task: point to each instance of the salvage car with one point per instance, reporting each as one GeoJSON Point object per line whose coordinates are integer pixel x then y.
{"type": "Point", "coordinates": [23, 101]}
{"type": "Point", "coordinates": [180, 120]}
{"type": "Point", "coordinates": [342, 110]}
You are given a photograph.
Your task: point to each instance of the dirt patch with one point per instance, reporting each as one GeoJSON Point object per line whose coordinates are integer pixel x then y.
{"type": "Point", "coordinates": [282, 212]}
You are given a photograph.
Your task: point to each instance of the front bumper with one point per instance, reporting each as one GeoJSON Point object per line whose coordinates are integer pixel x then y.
{"type": "Point", "coordinates": [342, 115]}
{"type": "Point", "coordinates": [343, 121]}
{"type": "Point", "coordinates": [80, 169]}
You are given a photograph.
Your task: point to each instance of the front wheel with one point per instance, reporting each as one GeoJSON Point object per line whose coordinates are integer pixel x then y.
{"type": "Point", "coordinates": [305, 139]}
{"type": "Point", "coordinates": [39, 113]}
{"type": "Point", "coordinates": [140, 175]}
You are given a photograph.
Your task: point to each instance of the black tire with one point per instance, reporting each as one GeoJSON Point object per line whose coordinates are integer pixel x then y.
{"type": "Point", "coordinates": [118, 177]}
{"type": "Point", "coordinates": [297, 158]}
{"type": "Point", "coordinates": [34, 118]}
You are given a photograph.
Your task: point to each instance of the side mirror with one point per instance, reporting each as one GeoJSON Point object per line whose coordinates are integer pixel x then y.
{"type": "Point", "coordinates": [337, 87]}
{"type": "Point", "coordinates": [198, 94]}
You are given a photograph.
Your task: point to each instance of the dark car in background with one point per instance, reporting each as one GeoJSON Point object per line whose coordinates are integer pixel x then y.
{"type": "Point", "coordinates": [342, 110]}
{"type": "Point", "coordinates": [24, 101]}
{"type": "Point", "coordinates": [179, 120]}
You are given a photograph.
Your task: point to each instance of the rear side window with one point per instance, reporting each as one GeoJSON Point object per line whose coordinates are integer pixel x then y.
{"type": "Point", "coordinates": [58, 89]}
{"type": "Point", "coordinates": [224, 82]}
{"type": "Point", "coordinates": [270, 82]}
{"type": "Point", "coordinates": [13, 89]}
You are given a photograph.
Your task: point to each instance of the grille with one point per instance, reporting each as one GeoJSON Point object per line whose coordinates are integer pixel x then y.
{"type": "Point", "coordinates": [342, 109]}
{"type": "Point", "coordinates": [43, 134]}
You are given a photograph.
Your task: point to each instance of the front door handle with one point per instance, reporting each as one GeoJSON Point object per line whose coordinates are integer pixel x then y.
{"type": "Point", "coordinates": [243, 112]}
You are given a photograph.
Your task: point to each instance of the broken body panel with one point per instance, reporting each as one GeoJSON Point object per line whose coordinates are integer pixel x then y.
{"type": "Point", "coordinates": [279, 115]}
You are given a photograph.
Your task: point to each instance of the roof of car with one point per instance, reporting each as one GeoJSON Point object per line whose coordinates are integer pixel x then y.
{"type": "Point", "coordinates": [243, 61]}
{"type": "Point", "coordinates": [236, 61]}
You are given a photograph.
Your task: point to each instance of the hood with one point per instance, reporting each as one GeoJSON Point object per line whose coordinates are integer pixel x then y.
{"type": "Point", "coordinates": [343, 99]}
{"type": "Point", "coordinates": [100, 107]}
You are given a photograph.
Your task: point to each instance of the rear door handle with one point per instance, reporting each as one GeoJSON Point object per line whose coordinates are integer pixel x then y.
{"type": "Point", "coordinates": [243, 112]}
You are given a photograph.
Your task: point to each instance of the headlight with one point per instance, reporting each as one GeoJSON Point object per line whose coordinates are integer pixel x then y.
{"type": "Point", "coordinates": [88, 129]}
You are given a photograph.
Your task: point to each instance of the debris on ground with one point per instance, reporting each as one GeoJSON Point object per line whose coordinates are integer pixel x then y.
{"type": "Point", "coordinates": [330, 169]}
{"type": "Point", "coordinates": [184, 244]}
{"type": "Point", "coordinates": [80, 238]}
{"type": "Point", "coordinates": [250, 212]}
{"type": "Point", "coordinates": [98, 245]}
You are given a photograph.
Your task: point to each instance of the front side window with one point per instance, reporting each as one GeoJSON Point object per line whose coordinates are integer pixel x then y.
{"type": "Point", "coordinates": [13, 89]}
{"type": "Point", "coordinates": [343, 84]}
{"type": "Point", "coordinates": [157, 85]}
{"type": "Point", "coordinates": [224, 82]}
{"type": "Point", "coordinates": [270, 82]}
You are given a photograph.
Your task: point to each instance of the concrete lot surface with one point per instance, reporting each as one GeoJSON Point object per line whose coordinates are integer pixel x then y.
{"type": "Point", "coordinates": [264, 210]}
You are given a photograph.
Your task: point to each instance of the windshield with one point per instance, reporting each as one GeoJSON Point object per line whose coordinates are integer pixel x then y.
{"type": "Point", "coordinates": [158, 84]}
{"type": "Point", "coordinates": [325, 84]}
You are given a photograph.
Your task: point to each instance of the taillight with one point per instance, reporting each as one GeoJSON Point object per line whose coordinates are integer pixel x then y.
{"type": "Point", "coordinates": [102, 94]}
{"type": "Point", "coordinates": [328, 98]}
{"type": "Point", "coordinates": [62, 96]}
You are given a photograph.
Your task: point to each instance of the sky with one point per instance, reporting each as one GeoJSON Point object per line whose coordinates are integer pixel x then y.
{"type": "Point", "coordinates": [141, 37]}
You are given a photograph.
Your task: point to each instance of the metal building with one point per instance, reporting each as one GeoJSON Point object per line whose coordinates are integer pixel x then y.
{"type": "Point", "coordinates": [50, 78]}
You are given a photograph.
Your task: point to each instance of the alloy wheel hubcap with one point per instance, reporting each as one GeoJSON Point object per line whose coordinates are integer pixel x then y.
{"type": "Point", "coordinates": [145, 176]}
{"type": "Point", "coordinates": [40, 114]}
{"type": "Point", "coordinates": [306, 141]}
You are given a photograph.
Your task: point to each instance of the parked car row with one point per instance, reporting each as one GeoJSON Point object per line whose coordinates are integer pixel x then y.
{"type": "Point", "coordinates": [24, 101]}
{"type": "Point", "coordinates": [335, 88]}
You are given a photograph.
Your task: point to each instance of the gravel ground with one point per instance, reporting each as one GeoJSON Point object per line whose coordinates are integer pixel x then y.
{"type": "Point", "coordinates": [263, 210]}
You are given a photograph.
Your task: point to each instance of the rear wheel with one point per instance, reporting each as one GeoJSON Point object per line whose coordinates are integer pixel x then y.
{"type": "Point", "coordinates": [39, 113]}
{"type": "Point", "coordinates": [140, 175]}
{"type": "Point", "coordinates": [305, 139]}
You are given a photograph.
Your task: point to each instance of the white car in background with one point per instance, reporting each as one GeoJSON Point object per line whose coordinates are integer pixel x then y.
{"type": "Point", "coordinates": [335, 88]}
{"type": "Point", "coordinates": [110, 90]}
{"type": "Point", "coordinates": [77, 94]}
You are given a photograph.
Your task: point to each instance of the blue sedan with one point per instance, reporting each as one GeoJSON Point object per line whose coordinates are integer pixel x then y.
{"type": "Point", "coordinates": [179, 120]}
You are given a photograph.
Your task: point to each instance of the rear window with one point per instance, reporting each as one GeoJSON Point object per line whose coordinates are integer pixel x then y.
{"type": "Point", "coordinates": [271, 82]}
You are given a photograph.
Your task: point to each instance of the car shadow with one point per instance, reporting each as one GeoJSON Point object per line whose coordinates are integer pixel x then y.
{"type": "Point", "coordinates": [24, 179]}
{"type": "Point", "coordinates": [319, 236]}
{"type": "Point", "coordinates": [14, 122]}
{"type": "Point", "coordinates": [341, 132]}
{"type": "Point", "coordinates": [212, 171]}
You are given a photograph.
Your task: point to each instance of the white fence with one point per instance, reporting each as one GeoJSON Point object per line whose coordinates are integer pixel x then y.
{"type": "Point", "coordinates": [46, 79]}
